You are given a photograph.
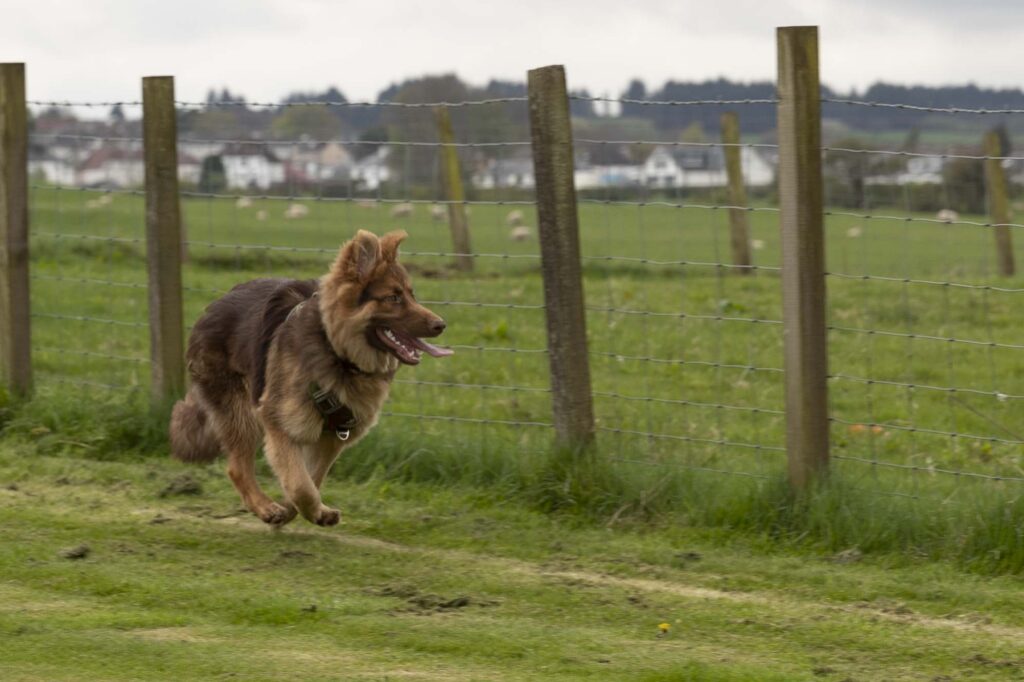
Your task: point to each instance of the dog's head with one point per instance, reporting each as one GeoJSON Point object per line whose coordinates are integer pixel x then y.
{"type": "Point", "coordinates": [369, 310]}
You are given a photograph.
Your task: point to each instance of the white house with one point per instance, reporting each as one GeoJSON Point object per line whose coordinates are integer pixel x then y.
{"type": "Point", "coordinates": [251, 166]}
{"type": "Point", "coordinates": [496, 173]}
{"type": "Point", "coordinates": [44, 166]}
{"type": "Point", "coordinates": [112, 167]}
{"type": "Point", "coordinates": [619, 175]}
{"type": "Point", "coordinates": [370, 172]}
{"type": "Point", "coordinates": [919, 170]}
{"type": "Point", "coordinates": [672, 167]}
{"type": "Point", "coordinates": [318, 162]}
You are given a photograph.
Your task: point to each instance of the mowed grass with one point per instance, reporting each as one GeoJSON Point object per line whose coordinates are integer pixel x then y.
{"type": "Point", "coordinates": [435, 583]}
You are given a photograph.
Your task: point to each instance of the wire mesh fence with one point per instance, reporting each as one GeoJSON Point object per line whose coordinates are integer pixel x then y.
{"type": "Point", "coordinates": [685, 345]}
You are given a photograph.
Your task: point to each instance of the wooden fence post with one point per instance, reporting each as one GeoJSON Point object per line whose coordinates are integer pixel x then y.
{"type": "Point", "coordinates": [998, 202]}
{"type": "Point", "coordinates": [15, 330]}
{"type": "Point", "coordinates": [163, 238]}
{"type": "Point", "coordinates": [803, 254]}
{"type": "Point", "coordinates": [558, 230]}
{"type": "Point", "coordinates": [451, 182]}
{"type": "Point", "coordinates": [739, 231]}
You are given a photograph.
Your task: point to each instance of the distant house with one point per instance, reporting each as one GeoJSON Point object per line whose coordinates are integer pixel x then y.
{"type": "Point", "coordinates": [251, 166]}
{"type": "Point", "coordinates": [112, 167]}
{"type": "Point", "coordinates": [696, 166]}
{"type": "Point", "coordinates": [44, 166]}
{"type": "Point", "coordinates": [504, 173]}
{"type": "Point", "coordinates": [370, 172]}
{"type": "Point", "coordinates": [618, 175]}
{"type": "Point", "coordinates": [919, 170]}
{"type": "Point", "coordinates": [319, 162]}
{"type": "Point", "coordinates": [189, 168]}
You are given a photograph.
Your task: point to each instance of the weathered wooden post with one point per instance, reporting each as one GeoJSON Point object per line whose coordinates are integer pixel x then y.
{"type": "Point", "coordinates": [451, 183]}
{"type": "Point", "coordinates": [998, 202]}
{"type": "Point", "coordinates": [558, 230]}
{"type": "Point", "coordinates": [739, 230]}
{"type": "Point", "coordinates": [15, 329]}
{"type": "Point", "coordinates": [803, 255]}
{"type": "Point", "coordinates": [163, 238]}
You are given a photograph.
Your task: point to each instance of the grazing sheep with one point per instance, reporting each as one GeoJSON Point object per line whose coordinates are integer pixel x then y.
{"type": "Point", "coordinates": [261, 215]}
{"type": "Point", "coordinates": [438, 213]}
{"type": "Point", "coordinates": [105, 199]}
{"type": "Point", "coordinates": [854, 232]}
{"type": "Point", "coordinates": [401, 211]}
{"type": "Point", "coordinates": [947, 215]}
{"type": "Point", "coordinates": [296, 211]}
{"type": "Point", "coordinates": [243, 202]}
{"type": "Point", "coordinates": [514, 218]}
{"type": "Point", "coordinates": [757, 244]}
{"type": "Point", "coordinates": [520, 233]}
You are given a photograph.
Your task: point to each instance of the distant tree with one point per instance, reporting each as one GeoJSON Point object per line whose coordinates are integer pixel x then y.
{"type": "Point", "coordinates": [116, 114]}
{"type": "Point", "coordinates": [316, 121]}
{"type": "Point", "coordinates": [965, 183]}
{"type": "Point", "coordinates": [374, 136]}
{"type": "Point", "coordinates": [638, 91]}
{"type": "Point", "coordinates": [693, 133]}
{"type": "Point", "coordinates": [212, 178]}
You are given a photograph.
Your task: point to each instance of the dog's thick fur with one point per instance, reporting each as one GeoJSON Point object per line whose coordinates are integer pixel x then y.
{"type": "Point", "coordinates": [255, 354]}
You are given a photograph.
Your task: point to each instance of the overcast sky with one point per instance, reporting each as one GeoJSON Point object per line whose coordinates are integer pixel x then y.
{"type": "Point", "coordinates": [98, 49]}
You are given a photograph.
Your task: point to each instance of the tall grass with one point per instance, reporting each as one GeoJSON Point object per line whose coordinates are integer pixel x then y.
{"type": "Point", "coordinates": [979, 527]}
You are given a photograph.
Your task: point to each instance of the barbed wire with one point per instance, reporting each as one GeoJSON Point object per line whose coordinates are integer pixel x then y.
{"type": "Point", "coordinates": [283, 143]}
{"type": "Point", "coordinates": [281, 105]}
{"type": "Point", "coordinates": [673, 102]}
{"type": "Point", "coordinates": [927, 469]}
{"type": "Point", "coordinates": [916, 107]}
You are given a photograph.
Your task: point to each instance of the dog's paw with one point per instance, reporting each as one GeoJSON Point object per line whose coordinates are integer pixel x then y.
{"type": "Point", "coordinates": [327, 516]}
{"type": "Point", "coordinates": [276, 514]}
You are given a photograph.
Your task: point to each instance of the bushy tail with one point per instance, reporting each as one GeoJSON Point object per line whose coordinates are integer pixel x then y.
{"type": "Point", "coordinates": [192, 436]}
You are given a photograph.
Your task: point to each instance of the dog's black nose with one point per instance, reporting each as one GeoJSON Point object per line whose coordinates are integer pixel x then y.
{"type": "Point", "coordinates": [438, 326]}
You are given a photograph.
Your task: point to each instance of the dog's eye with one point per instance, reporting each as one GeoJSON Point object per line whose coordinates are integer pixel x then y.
{"type": "Point", "coordinates": [393, 298]}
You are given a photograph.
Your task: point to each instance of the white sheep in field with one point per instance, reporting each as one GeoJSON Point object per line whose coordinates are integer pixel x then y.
{"type": "Point", "coordinates": [92, 204]}
{"type": "Point", "coordinates": [520, 233]}
{"type": "Point", "coordinates": [296, 211]}
{"type": "Point", "coordinates": [514, 218]}
{"type": "Point", "coordinates": [261, 215]}
{"type": "Point", "coordinates": [947, 215]}
{"type": "Point", "coordinates": [243, 202]}
{"type": "Point", "coordinates": [438, 213]}
{"type": "Point", "coordinates": [401, 211]}
{"type": "Point", "coordinates": [105, 199]}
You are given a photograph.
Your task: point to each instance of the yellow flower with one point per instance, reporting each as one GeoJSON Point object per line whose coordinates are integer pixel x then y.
{"type": "Point", "coordinates": [663, 627]}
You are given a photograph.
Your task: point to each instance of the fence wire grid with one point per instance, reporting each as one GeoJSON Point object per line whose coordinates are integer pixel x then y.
{"type": "Point", "coordinates": [685, 344]}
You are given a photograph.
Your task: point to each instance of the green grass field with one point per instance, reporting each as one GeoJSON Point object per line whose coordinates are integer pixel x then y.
{"type": "Point", "coordinates": [686, 359]}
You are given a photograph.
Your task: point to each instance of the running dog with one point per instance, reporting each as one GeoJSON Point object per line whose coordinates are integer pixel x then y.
{"type": "Point", "coordinates": [304, 366]}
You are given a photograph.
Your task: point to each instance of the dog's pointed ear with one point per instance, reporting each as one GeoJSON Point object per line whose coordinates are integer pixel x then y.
{"type": "Point", "coordinates": [359, 257]}
{"type": "Point", "coordinates": [389, 245]}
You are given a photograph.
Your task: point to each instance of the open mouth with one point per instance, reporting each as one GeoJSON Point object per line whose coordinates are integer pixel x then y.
{"type": "Point", "coordinates": [409, 349]}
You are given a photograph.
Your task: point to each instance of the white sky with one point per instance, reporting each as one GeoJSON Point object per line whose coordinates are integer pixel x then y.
{"type": "Point", "coordinates": [263, 49]}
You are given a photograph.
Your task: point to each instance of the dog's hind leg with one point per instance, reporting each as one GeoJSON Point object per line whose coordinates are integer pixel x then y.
{"type": "Point", "coordinates": [242, 472]}
{"type": "Point", "coordinates": [239, 433]}
{"type": "Point", "coordinates": [288, 460]}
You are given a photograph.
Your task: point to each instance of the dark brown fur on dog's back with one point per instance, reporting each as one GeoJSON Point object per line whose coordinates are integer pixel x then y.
{"type": "Point", "coordinates": [235, 335]}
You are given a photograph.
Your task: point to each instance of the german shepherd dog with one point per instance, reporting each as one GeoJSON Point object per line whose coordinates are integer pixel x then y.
{"type": "Point", "coordinates": [303, 365]}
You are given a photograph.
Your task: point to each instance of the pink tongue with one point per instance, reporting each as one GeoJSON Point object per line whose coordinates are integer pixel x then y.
{"type": "Point", "coordinates": [432, 349]}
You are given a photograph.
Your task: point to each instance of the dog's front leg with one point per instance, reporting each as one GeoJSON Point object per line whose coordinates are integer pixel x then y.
{"type": "Point", "coordinates": [288, 459]}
